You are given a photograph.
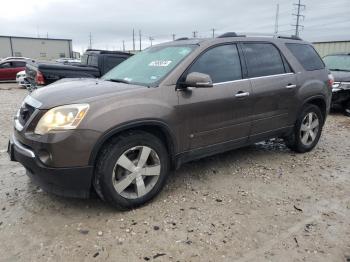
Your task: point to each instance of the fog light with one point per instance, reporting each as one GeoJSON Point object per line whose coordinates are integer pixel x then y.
{"type": "Point", "coordinates": [45, 157]}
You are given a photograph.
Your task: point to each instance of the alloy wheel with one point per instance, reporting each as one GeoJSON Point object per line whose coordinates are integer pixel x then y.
{"type": "Point", "coordinates": [309, 128]}
{"type": "Point", "coordinates": [136, 172]}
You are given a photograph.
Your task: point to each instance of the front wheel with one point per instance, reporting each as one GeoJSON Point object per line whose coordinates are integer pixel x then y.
{"type": "Point", "coordinates": [132, 169]}
{"type": "Point", "coordinates": [307, 130]}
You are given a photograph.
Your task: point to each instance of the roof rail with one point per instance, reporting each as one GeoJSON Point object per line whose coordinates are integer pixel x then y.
{"type": "Point", "coordinates": [182, 38]}
{"type": "Point", "coordinates": [233, 34]}
{"type": "Point", "coordinates": [294, 37]}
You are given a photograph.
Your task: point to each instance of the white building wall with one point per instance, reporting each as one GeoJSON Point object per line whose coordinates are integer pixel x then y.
{"type": "Point", "coordinates": [5, 47]}
{"type": "Point", "coordinates": [326, 48]}
{"type": "Point", "coordinates": [36, 48]}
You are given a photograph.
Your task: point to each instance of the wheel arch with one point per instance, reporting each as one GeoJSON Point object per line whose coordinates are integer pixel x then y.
{"type": "Point", "coordinates": [319, 101]}
{"type": "Point", "coordinates": [155, 127]}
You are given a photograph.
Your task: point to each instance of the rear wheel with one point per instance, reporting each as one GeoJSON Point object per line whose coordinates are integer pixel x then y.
{"type": "Point", "coordinates": [307, 130]}
{"type": "Point", "coordinates": [132, 169]}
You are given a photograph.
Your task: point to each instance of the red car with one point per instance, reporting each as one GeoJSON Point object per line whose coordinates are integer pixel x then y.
{"type": "Point", "coordinates": [9, 69]}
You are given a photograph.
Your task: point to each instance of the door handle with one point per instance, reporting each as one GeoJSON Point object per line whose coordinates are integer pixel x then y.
{"type": "Point", "coordinates": [290, 86]}
{"type": "Point", "coordinates": [242, 94]}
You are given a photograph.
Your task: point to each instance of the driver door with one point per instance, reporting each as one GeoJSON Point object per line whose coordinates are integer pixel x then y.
{"type": "Point", "coordinates": [220, 114]}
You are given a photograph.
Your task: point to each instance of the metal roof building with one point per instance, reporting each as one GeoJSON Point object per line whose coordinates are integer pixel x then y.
{"type": "Point", "coordinates": [36, 48]}
{"type": "Point", "coordinates": [331, 47]}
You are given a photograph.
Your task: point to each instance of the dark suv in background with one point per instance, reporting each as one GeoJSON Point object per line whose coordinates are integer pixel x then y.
{"type": "Point", "coordinates": [339, 65]}
{"type": "Point", "coordinates": [170, 104]}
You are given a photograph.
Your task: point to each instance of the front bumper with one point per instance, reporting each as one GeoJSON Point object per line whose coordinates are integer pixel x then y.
{"type": "Point", "coordinates": [68, 182]}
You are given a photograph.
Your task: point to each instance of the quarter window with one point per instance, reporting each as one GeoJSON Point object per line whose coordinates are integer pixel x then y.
{"type": "Point", "coordinates": [221, 63]}
{"type": "Point", "coordinates": [263, 59]}
{"type": "Point", "coordinates": [307, 56]}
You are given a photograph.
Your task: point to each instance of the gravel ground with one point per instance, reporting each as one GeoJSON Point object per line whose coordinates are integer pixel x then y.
{"type": "Point", "coordinates": [260, 203]}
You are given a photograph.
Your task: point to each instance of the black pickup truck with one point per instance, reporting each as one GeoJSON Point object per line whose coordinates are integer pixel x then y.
{"type": "Point", "coordinates": [94, 63]}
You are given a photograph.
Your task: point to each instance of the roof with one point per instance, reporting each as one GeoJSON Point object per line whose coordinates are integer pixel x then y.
{"type": "Point", "coordinates": [35, 38]}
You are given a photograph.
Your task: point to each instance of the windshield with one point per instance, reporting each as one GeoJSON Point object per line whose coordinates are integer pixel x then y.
{"type": "Point", "coordinates": [149, 66]}
{"type": "Point", "coordinates": [337, 62]}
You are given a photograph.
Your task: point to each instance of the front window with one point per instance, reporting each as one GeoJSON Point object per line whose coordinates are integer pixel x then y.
{"type": "Point", "coordinates": [149, 66]}
{"type": "Point", "coordinates": [337, 62]}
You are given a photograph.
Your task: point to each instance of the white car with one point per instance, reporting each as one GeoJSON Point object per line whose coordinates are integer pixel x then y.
{"type": "Point", "coordinates": [20, 78]}
{"type": "Point", "coordinates": [15, 58]}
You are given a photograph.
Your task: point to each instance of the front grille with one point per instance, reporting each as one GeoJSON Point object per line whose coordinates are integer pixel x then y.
{"type": "Point", "coordinates": [25, 113]}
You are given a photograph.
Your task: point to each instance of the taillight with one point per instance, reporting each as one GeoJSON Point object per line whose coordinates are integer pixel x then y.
{"type": "Point", "coordinates": [39, 78]}
{"type": "Point", "coordinates": [330, 81]}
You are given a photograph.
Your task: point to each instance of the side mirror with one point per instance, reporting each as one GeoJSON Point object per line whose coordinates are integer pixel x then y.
{"type": "Point", "coordinates": [198, 80]}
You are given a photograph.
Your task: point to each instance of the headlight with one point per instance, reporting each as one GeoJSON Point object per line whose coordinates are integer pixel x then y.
{"type": "Point", "coordinates": [61, 118]}
{"type": "Point", "coordinates": [336, 85]}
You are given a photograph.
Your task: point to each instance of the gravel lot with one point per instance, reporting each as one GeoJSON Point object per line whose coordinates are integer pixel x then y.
{"type": "Point", "coordinates": [260, 203]}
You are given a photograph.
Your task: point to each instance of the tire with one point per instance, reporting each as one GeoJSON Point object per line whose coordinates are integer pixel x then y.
{"type": "Point", "coordinates": [347, 108]}
{"type": "Point", "coordinates": [301, 140]}
{"type": "Point", "coordinates": [123, 158]}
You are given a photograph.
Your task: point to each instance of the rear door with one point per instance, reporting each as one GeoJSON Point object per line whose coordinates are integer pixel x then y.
{"type": "Point", "coordinates": [17, 67]}
{"type": "Point", "coordinates": [273, 87]}
{"type": "Point", "coordinates": [219, 114]}
{"type": "Point", "coordinates": [6, 69]}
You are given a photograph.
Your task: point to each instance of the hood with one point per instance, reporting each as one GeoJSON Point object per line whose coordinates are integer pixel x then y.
{"type": "Point", "coordinates": [80, 91]}
{"type": "Point", "coordinates": [341, 76]}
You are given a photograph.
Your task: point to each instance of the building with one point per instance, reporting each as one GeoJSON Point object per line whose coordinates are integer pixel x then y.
{"type": "Point", "coordinates": [36, 48]}
{"type": "Point", "coordinates": [331, 47]}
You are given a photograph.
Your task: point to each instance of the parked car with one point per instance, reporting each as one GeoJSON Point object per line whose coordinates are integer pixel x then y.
{"type": "Point", "coordinates": [167, 105]}
{"type": "Point", "coordinates": [94, 63]}
{"type": "Point", "coordinates": [339, 64]}
{"type": "Point", "coordinates": [20, 79]}
{"type": "Point", "coordinates": [10, 68]}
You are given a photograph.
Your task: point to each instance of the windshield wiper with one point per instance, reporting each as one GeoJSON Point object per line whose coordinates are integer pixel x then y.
{"type": "Point", "coordinates": [118, 80]}
{"type": "Point", "coordinates": [337, 69]}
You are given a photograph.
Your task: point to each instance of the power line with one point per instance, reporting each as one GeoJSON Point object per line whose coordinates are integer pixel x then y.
{"type": "Point", "coordinates": [133, 39]}
{"type": "Point", "coordinates": [90, 41]}
{"type": "Point", "coordinates": [151, 39]}
{"type": "Point", "coordinates": [298, 15]}
{"type": "Point", "coordinates": [276, 19]}
{"type": "Point", "coordinates": [140, 39]}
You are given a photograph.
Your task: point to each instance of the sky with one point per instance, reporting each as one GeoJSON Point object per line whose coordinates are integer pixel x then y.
{"type": "Point", "coordinates": [112, 21]}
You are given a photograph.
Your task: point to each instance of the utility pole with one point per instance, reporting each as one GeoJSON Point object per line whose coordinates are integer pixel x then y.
{"type": "Point", "coordinates": [151, 39]}
{"type": "Point", "coordinates": [194, 34]}
{"type": "Point", "coordinates": [173, 37]}
{"type": "Point", "coordinates": [298, 15]}
{"type": "Point", "coordinates": [123, 46]}
{"type": "Point", "coordinates": [90, 41]}
{"type": "Point", "coordinates": [133, 39]}
{"type": "Point", "coordinates": [140, 39]}
{"type": "Point", "coordinates": [276, 19]}
{"type": "Point", "coordinates": [213, 29]}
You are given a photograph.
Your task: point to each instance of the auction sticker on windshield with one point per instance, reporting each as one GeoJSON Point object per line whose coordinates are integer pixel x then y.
{"type": "Point", "coordinates": [160, 63]}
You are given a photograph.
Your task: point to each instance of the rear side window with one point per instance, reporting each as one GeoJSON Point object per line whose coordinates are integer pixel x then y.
{"type": "Point", "coordinates": [221, 63]}
{"type": "Point", "coordinates": [19, 64]}
{"type": "Point", "coordinates": [93, 60]}
{"type": "Point", "coordinates": [307, 56]}
{"type": "Point", "coordinates": [263, 59]}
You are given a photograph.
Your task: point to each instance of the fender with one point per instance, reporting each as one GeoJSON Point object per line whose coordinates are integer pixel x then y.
{"type": "Point", "coordinates": [170, 137]}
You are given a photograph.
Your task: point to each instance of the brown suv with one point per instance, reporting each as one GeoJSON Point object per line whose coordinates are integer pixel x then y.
{"type": "Point", "coordinates": [170, 104]}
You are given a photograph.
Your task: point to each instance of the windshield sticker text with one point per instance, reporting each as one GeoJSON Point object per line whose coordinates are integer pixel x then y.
{"type": "Point", "coordinates": [160, 63]}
